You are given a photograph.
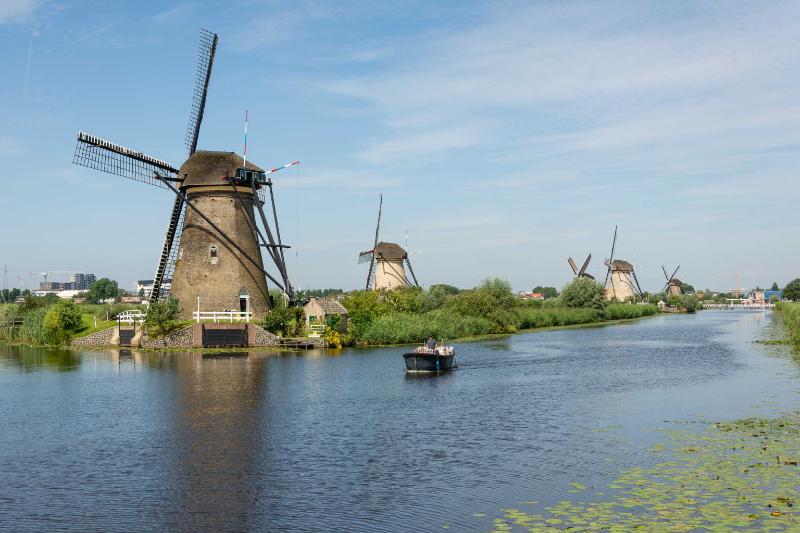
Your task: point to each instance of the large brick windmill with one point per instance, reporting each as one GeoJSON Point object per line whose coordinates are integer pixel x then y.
{"type": "Point", "coordinates": [212, 251]}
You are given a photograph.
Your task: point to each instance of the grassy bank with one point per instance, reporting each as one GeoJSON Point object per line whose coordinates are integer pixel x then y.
{"type": "Point", "coordinates": [790, 312]}
{"type": "Point", "coordinates": [45, 322]}
{"type": "Point", "coordinates": [412, 315]}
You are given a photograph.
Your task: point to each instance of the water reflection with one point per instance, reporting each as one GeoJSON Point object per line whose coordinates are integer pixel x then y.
{"type": "Point", "coordinates": [29, 359]}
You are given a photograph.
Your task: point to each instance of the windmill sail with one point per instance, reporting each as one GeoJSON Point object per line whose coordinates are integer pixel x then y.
{"type": "Point", "coordinates": [205, 60]}
{"type": "Point", "coordinates": [169, 252]}
{"type": "Point", "coordinates": [371, 273]}
{"type": "Point", "coordinates": [365, 257]}
{"type": "Point", "coordinates": [105, 156]}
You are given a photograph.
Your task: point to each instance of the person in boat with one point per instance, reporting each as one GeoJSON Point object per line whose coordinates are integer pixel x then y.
{"type": "Point", "coordinates": [431, 343]}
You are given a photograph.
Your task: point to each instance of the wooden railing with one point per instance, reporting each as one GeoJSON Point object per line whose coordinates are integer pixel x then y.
{"type": "Point", "coordinates": [221, 316]}
{"type": "Point", "coordinates": [131, 317]}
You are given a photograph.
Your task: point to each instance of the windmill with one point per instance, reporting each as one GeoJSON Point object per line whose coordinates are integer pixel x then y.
{"type": "Point", "coordinates": [212, 250]}
{"type": "Point", "coordinates": [387, 262]}
{"type": "Point", "coordinates": [623, 281]}
{"type": "Point", "coordinates": [582, 272]}
{"type": "Point", "coordinates": [673, 286]}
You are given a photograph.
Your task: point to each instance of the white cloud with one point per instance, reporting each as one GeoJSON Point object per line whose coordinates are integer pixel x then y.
{"type": "Point", "coordinates": [423, 144]}
{"type": "Point", "coordinates": [17, 10]}
{"type": "Point", "coordinates": [177, 13]}
{"type": "Point", "coordinates": [589, 77]}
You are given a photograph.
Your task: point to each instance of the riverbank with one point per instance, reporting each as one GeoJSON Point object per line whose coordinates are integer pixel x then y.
{"type": "Point", "coordinates": [790, 315]}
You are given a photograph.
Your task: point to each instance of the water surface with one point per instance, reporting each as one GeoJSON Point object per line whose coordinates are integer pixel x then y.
{"type": "Point", "coordinates": [347, 441]}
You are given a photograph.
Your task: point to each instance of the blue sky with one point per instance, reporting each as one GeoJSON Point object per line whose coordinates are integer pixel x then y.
{"type": "Point", "coordinates": [505, 136]}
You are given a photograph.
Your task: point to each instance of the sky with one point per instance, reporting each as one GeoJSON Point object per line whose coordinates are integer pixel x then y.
{"type": "Point", "coordinates": [504, 136]}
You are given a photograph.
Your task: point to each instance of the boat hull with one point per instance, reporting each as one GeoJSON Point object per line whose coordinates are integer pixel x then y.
{"type": "Point", "coordinates": [428, 362]}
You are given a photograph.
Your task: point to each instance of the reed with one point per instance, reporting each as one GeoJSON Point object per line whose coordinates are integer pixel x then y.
{"type": "Point", "coordinates": [790, 312]}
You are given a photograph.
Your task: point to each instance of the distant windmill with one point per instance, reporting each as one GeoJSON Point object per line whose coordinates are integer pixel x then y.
{"type": "Point", "coordinates": [674, 286]}
{"type": "Point", "coordinates": [582, 272]}
{"type": "Point", "coordinates": [387, 262]}
{"type": "Point", "coordinates": [622, 276]}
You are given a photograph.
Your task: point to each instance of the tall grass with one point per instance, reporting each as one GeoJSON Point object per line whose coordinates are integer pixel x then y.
{"type": "Point", "coordinates": [791, 319]}
{"type": "Point", "coordinates": [624, 311]}
{"type": "Point", "coordinates": [400, 328]}
{"type": "Point", "coordinates": [529, 318]}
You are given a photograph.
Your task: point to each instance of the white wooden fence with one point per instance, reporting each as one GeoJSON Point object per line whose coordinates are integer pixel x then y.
{"type": "Point", "coordinates": [131, 317]}
{"type": "Point", "coordinates": [221, 316]}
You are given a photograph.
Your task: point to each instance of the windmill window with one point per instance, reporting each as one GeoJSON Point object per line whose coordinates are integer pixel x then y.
{"type": "Point", "coordinates": [212, 253]}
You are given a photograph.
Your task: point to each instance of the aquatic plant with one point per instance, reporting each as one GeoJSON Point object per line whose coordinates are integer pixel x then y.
{"type": "Point", "coordinates": [735, 476]}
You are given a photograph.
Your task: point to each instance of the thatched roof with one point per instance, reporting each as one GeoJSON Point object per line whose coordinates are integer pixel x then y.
{"type": "Point", "coordinates": [619, 264]}
{"type": "Point", "coordinates": [676, 282]}
{"type": "Point", "coordinates": [206, 167]}
{"type": "Point", "coordinates": [330, 306]}
{"type": "Point", "coordinates": [390, 251]}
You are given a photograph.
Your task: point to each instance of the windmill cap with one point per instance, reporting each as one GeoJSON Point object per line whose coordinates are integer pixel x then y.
{"type": "Point", "coordinates": [206, 167]}
{"type": "Point", "coordinates": [619, 264]}
{"type": "Point", "coordinates": [390, 251]}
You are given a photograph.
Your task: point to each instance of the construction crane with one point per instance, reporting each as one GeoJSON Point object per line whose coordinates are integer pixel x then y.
{"type": "Point", "coordinates": [45, 274]}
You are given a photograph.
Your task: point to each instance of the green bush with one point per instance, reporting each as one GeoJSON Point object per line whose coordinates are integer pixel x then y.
{"type": "Point", "coordinates": [584, 292]}
{"type": "Point", "coordinates": [398, 328]}
{"type": "Point", "coordinates": [285, 321]}
{"type": "Point", "coordinates": [32, 330]}
{"type": "Point", "coordinates": [162, 317]}
{"type": "Point", "coordinates": [60, 321]}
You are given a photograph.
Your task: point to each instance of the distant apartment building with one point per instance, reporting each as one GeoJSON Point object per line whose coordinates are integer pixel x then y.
{"type": "Point", "coordinates": [81, 281]}
{"type": "Point", "coordinates": [144, 287]}
{"type": "Point", "coordinates": [77, 282]}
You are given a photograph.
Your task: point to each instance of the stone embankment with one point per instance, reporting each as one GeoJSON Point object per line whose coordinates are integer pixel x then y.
{"type": "Point", "coordinates": [183, 338]}
{"type": "Point", "coordinates": [265, 338]}
{"type": "Point", "coordinates": [101, 338]}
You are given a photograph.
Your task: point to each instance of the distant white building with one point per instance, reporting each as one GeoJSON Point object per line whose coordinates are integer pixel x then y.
{"type": "Point", "coordinates": [146, 285]}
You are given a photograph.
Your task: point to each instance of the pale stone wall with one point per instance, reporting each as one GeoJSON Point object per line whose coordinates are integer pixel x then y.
{"type": "Point", "coordinates": [183, 338]}
{"type": "Point", "coordinates": [389, 274]}
{"type": "Point", "coordinates": [620, 285]}
{"type": "Point", "coordinates": [264, 337]}
{"type": "Point", "coordinates": [100, 338]}
{"type": "Point", "coordinates": [217, 281]}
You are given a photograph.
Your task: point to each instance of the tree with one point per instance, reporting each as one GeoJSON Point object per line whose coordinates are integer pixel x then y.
{"type": "Point", "coordinates": [792, 290]}
{"type": "Point", "coordinates": [162, 317]}
{"type": "Point", "coordinates": [548, 292]}
{"type": "Point", "coordinates": [444, 288]}
{"type": "Point", "coordinates": [103, 289]}
{"type": "Point", "coordinates": [285, 321]}
{"type": "Point", "coordinates": [687, 288]}
{"type": "Point", "coordinates": [774, 286]}
{"type": "Point", "coordinates": [584, 292]}
{"type": "Point", "coordinates": [60, 321]}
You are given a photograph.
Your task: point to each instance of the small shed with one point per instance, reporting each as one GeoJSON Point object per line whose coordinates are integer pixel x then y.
{"type": "Point", "coordinates": [317, 311]}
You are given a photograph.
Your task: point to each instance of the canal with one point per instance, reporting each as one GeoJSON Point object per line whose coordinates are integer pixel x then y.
{"type": "Point", "coordinates": [346, 441]}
